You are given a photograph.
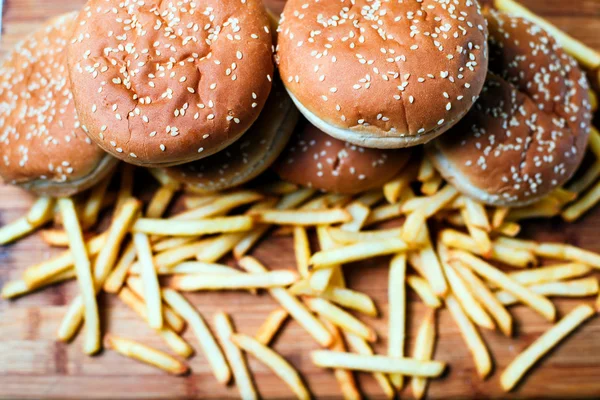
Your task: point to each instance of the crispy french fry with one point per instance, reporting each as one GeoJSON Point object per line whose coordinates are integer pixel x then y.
{"type": "Point", "coordinates": [175, 256]}
{"type": "Point", "coordinates": [537, 302]}
{"type": "Point", "coordinates": [275, 362]}
{"type": "Point", "coordinates": [160, 201]}
{"type": "Point", "coordinates": [192, 202]}
{"type": "Point", "coordinates": [211, 349]}
{"type": "Point", "coordinates": [320, 279]}
{"type": "Point", "coordinates": [146, 355]}
{"type": "Point", "coordinates": [359, 213]}
{"type": "Point", "coordinates": [301, 218]}
{"type": "Point", "coordinates": [344, 297]}
{"type": "Point", "coordinates": [552, 273]}
{"type": "Point", "coordinates": [220, 206]}
{"type": "Point", "coordinates": [585, 181]}
{"type": "Point", "coordinates": [575, 288]}
{"type": "Point", "coordinates": [346, 237]}
{"type": "Point", "coordinates": [423, 289]}
{"type": "Point", "coordinates": [388, 365]}
{"type": "Point", "coordinates": [480, 236]}
{"type": "Point", "coordinates": [475, 343]}
{"type": "Point", "coordinates": [93, 205]}
{"type": "Point", "coordinates": [568, 253]}
{"type": "Point", "coordinates": [165, 227]}
{"type": "Point", "coordinates": [393, 189]}
{"type": "Point", "coordinates": [336, 279]}
{"type": "Point", "coordinates": [500, 214]}
{"type": "Point", "coordinates": [545, 208]}
{"type": "Point", "coordinates": [41, 212]}
{"type": "Point", "coordinates": [423, 351]}
{"type": "Point", "coordinates": [477, 215]}
{"type": "Point", "coordinates": [55, 237]}
{"type": "Point", "coordinates": [17, 288]}
{"type": "Point", "coordinates": [265, 280]}
{"type": "Point", "coordinates": [384, 213]}
{"type": "Point", "coordinates": [397, 312]}
{"type": "Point", "coordinates": [83, 269]}
{"type": "Point", "coordinates": [161, 175]}
{"type": "Point", "coordinates": [487, 299]}
{"type": "Point", "coordinates": [432, 186]}
{"type": "Point", "coordinates": [510, 229]}
{"type": "Point", "coordinates": [150, 279]}
{"type": "Point", "coordinates": [357, 252]}
{"type": "Point", "coordinates": [219, 246]}
{"type": "Point", "coordinates": [426, 170]}
{"type": "Point", "coordinates": [360, 346]}
{"type": "Point", "coordinates": [341, 318]}
{"type": "Point", "coordinates": [551, 338]}
{"type": "Point", "coordinates": [292, 305]}
{"type": "Point", "coordinates": [370, 198]}
{"type": "Point", "coordinates": [237, 361]}
{"type": "Point", "coordinates": [168, 243]}
{"type": "Point", "coordinates": [583, 205]}
{"type": "Point", "coordinates": [115, 280]}
{"type": "Point", "coordinates": [302, 250]}
{"type": "Point", "coordinates": [267, 331]}
{"type": "Point", "coordinates": [190, 268]}
{"type": "Point", "coordinates": [414, 224]}
{"type": "Point", "coordinates": [125, 185]}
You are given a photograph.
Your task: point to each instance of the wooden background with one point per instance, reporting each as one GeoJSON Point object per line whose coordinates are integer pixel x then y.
{"type": "Point", "coordinates": [34, 365]}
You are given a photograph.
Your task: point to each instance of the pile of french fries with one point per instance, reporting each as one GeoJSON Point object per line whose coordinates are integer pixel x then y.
{"type": "Point", "coordinates": [473, 264]}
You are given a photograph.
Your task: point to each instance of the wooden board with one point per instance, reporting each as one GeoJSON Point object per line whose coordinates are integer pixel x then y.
{"type": "Point", "coordinates": [34, 365]}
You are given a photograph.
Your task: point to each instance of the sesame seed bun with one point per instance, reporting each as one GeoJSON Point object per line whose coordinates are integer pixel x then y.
{"type": "Point", "coordinates": [42, 146]}
{"type": "Point", "coordinates": [250, 156]}
{"type": "Point", "coordinates": [315, 159]}
{"type": "Point", "coordinates": [387, 74]}
{"type": "Point", "coordinates": [162, 83]}
{"type": "Point", "coordinates": [528, 132]}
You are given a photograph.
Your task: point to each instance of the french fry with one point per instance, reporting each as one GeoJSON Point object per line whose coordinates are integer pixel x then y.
{"type": "Point", "coordinates": [190, 268]}
{"type": "Point", "coordinates": [301, 250]}
{"type": "Point", "coordinates": [585, 181]}
{"type": "Point", "coordinates": [545, 208]}
{"type": "Point", "coordinates": [341, 318]}
{"type": "Point", "coordinates": [586, 56]}
{"type": "Point", "coordinates": [519, 258]}
{"type": "Point", "coordinates": [165, 227]}
{"type": "Point", "coordinates": [336, 278]}
{"type": "Point", "coordinates": [537, 302]}
{"type": "Point", "coordinates": [480, 236]}
{"type": "Point", "coordinates": [217, 247]}
{"type": "Point", "coordinates": [83, 269]}
{"type": "Point", "coordinates": [125, 185]}
{"type": "Point", "coordinates": [563, 196]}
{"type": "Point", "coordinates": [175, 256]}
{"type": "Point", "coordinates": [301, 218]}
{"type": "Point", "coordinates": [423, 289]}
{"type": "Point", "coordinates": [511, 229]}
{"type": "Point", "coordinates": [487, 299]}
{"type": "Point", "coordinates": [593, 100]}
{"type": "Point", "coordinates": [267, 331]}
{"type": "Point", "coordinates": [417, 218]}
{"type": "Point", "coordinates": [498, 217]}
{"type": "Point", "coordinates": [384, 213]}
{"type": "Point", "coordinates": [370, 198]}
{"type": "Point", "coordinates": [413, 226]}
{"type": "Point", "coordinates": [583, 205]}
{"type": "Point", "coordinates": [463, 295]}
{"type": "Point", "coordinates": [551, 338]}
{"type": "Point", "coordinates": [150, 279]}
{"type": "Point", "coordinates": [344, 377]}
{"type": "Point", "coordinates": [279, 188]}
{"type": "Point", "coordinates": [360, 346]}
{"type": "Point", "coordinates": [40, 213]}
{"type": "Point", "coordinates": [171, 318]}
{"type": "Point", "coordinates": [17, 288]}
{"type": "Point", "coordinates": [160, 201]}
{"type": "Point", "coordinates": [345, 237]}
{"type": "Point", "coordinates": [93, 205]}
{"type": "Point", "coordinates": [161, 175]}
{"type": "Point", "coordinates": [211, 349]}
{"type": "Point", "coordinates": [146, 355]}
{"type": "Point", "coordinates": [568, 253]}
{"type": "Point", "coordinates": [393, 189]}
{"type": "Point", "coordinates": [552, 273]}
{"type": "Point", "coordinates": [388, 365]}
{"type": "Point", "coordinates": [320, 279]}
{"type": "Point", "coordinates": [275, 362]}
{"type": "Point", "coordinates": [170, 243]}
{"type": "Point", "coordinates": [432, 186]}
{"type": "Point", "coordinates": [477, 215]}
{"type": "Point", "coordinates": [576, 288]}
{"type": "Point", "coordinates": [423, 351]}
{"type": "Point", "coordinates": [472, 338]}
{"type": "Point", "coordinates": [220, 206]}
{"type": "Point", "coordinates": [116, 279]}
{"type": "Point", "coordinates": [237, 361]}
{"type": "Point", "coordinates": [357, 252]}
{"type": "Point", "coordinates": [397, 313]}
{"type": "Point", "coordinates": [192, 202]}
{"type": "Point", "coordinates": [292, 305]}
{"type": "Point", "coordinates": [344, 297]}
{"type": "Point", "coordinates": [274, 279]}
{"type": "Point", "coordinates": [426, 170]}
{"type": "Point", "coordinates": [359, 213]}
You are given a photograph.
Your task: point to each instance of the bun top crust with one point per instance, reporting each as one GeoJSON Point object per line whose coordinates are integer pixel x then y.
{"type": "Point", "coordinates": [528, 132]}
{"type": "Point", "coordinates": [251, 155]}
{"type": "Point", "coordinates": [315, 159]}
{"type": "Point", "coordinates": [41, 140]}
{"type": "Point", "coordinates": [387, 73]}
{"type": "Point", "coordinates": [161, 83]}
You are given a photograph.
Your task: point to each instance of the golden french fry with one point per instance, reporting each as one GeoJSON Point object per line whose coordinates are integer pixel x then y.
{"type": "Point", "coordinates": [475, 343]}
{"type": "Point", "coordinates": [432, 186]}
{"type": "Point", "coordinates": [216, 248]}
{"type": "Point", "coordinates": [499, 216]}
{"type": "Point", "coordinates": [267, 331]}
{"type": "Point", "coordinates": [301, 218]}
{"type": "Point", "coordinates": [357, 252]}
{"type": "Point", "coordinates": [586, 56]}
{"type": "Point", "coordinates": [575, 288]}
{"type": "Point", "coordinates": [545, 208]}
{"type": "Point", "coordinates": [265, 280]}
{"type": "Point", "coordinates": [431, 205]}
{"type": "Point", "coordinates": [537, 302]}
{"type": "Point", "coordinates": [125, 185]}
{"type": "Point", "coordinates": [370, 198]}
{"type": "Point", "coordinates": [344, 297]}
{"type": "Point", "coordinates": [160, 201]}
{"type": "Point", "coordinates": [168, 243]}
{"type": "Point", "coordinates": [279, 188]}
{"type": "Point", "coordinates": [423, 351]}
{"type": "Point", "coordinates": [426, 170]}
{"type": "Point", "coordinates": [163, 178]}
{"type": "Point", "coordinates": [275, 362]}
{"type": "Point", "coordinates": [551, 338]}
{"type": "Point", "coordinates": [220, 206]}
{"type": "Point", "coordinates": [569, 253]}
{"type": "Point", "coordinates": [593, 100]}
{"type": "Point", "coordinates": [510, 229]}
{"type": "Point", "coordinates": [165, 227]}
{"type": "Point", "coordinates": [336, 278]}
{"type": "Point", "coordinates": [397, 313]}
{"type": "Point", "coordinates": [41, 213]}
{"type": "Point", "coordinates": [55, 237]}
{"type": "Point", "coordinates": [302, 250]}
{"type": "Point", "coordinates": [359, 213]}
{"type": "Point", "coordinates": [360, 346]}
{"type": "Point", "coordinates": [83, 268]}
{"type": "Point", "coordinates": [388, 365]}
{"type": "Point", "coordinates": [345, 237]}
{"type": "Point", "coordinates": [146, 355]}
{"type": "Point", "coordinates": [150, 279]}
{"type": "Point", "coordinates": [320, 279]}
{"type": "Point", "coordinates": [115, 280]}
{"type": "Point", "coordinates": [551, 273]}
{"type": "Point", "coordinates": [93, 205]}
{"type": "Point", "coordinates": [211, 349]}
{"type": "Point", "coordinates": [13, 289]}
{"type": "Point", "coordinates": [480, 236]}
{"type": "Point", "coordinates": [192, 202]}
{"type": "Point", "coordinates": [585, 181]}
{"type": "Point", "coordinates": [393, 189]}
{"type": "Point", "coordinates": [190, 268]}
{"type": "Point", "coordinates": [583, 205]}
{"type": "Point", "coordinates": [477, 215]}
{"type": "Point", "coordinates": [237, 361]}
{"type": "Point", "coordinates": [292, 305]}
{"type": "Point", "coordinates": [487, 299]}
{"type": "Point", "coordinates": [175, 256]}
{"type": "Point", "coordinates": [341, 318]}
{"type": "Point", "coordinates": [424, 290]}
{"type": "Point", "coordinates": [413, 226]}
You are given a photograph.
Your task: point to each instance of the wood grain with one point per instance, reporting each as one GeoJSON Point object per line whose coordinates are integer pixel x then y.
{"type": "Point", "coordinates": [33, 365]}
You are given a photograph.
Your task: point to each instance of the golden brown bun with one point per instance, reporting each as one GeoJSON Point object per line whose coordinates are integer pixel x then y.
{"type": "Point", "coordinates": [528, 132]}
{"type": "Point", "coordinates": [315, 159]}
{"type": "Point", "coordinates": [386, 74]}
{"type": "Point", "coordinates": [161, 83]}
{"type": "Point", "coordinates": [42, 146]}
{"type": "Point", "coordinates": [251, 155]}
